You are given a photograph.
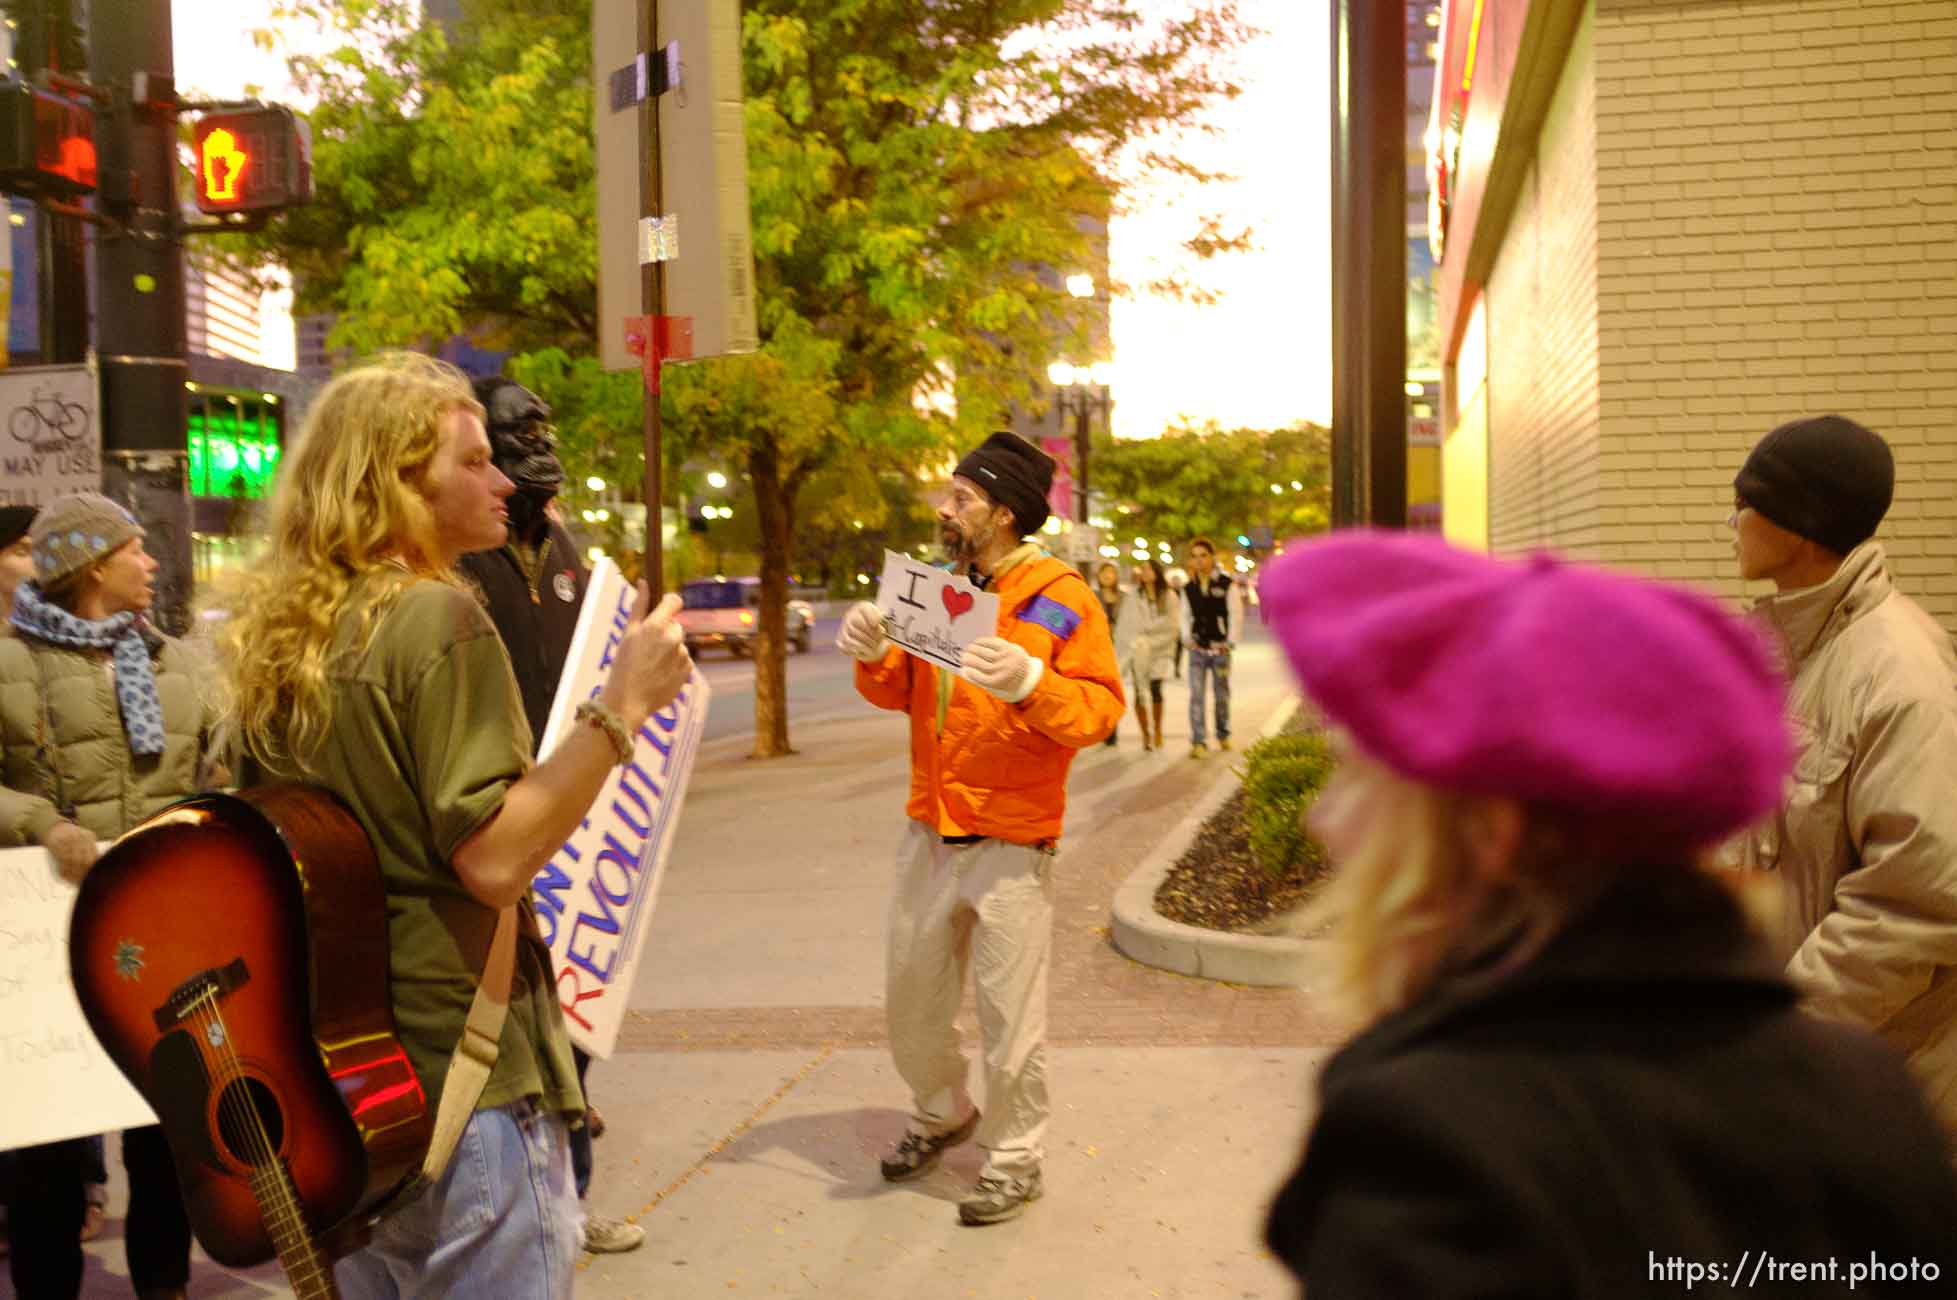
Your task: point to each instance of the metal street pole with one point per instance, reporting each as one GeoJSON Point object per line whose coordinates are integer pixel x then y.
{"type": "Point", "coordinates": [1080, 457]}
{"type": "Point", "coordinates": [1369, 255]}
{"type": "Point", "coordinates": [139, 290]}
{"type": "Point", "coordinates": [652, 302]}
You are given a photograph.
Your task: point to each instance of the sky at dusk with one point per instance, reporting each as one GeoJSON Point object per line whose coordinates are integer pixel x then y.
{"type": "Point", "coordinates": [1260, 357]}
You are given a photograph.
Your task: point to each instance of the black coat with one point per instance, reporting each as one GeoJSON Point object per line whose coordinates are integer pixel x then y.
{"type": "Point", "coordinates": [1643, 1097]}
{"type": "Point", "coordinates": [535, 618]}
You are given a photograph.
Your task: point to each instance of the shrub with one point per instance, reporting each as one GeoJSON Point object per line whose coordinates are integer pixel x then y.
{"type": "Point", "coordinates": [1282, 776]}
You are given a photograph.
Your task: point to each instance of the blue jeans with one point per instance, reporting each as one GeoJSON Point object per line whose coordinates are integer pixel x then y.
{"type": "Point", "coordinates": [503, 1221]}
{"type": "Point", "coordinates": [1213, 665]}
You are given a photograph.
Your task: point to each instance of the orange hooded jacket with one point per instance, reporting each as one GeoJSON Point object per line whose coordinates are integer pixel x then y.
{"type": "Point", "coordinates": [981, 766]}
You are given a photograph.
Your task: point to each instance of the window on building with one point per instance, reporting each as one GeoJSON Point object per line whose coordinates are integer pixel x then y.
{"type": "Point", "coordinates": [234, 445]}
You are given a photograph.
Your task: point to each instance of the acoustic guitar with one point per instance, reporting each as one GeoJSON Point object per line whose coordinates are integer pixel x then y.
{"type": "Point", "coordinates": [231, 954]}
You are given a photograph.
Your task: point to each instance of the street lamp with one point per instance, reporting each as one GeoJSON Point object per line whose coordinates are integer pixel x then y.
{"type": "Point", "coordinates": [1083, 390]}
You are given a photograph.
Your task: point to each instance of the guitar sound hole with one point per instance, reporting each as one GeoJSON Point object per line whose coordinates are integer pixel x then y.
{"type": "Point", "coordinates": [249, 1122]}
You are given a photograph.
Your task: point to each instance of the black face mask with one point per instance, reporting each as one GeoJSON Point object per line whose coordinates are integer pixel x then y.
{"type": "Point", "coordinates": [524, 448]}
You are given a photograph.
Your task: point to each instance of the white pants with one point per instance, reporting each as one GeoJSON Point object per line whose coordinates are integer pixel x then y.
{"type": "Point", "coordinates": [947, 896]}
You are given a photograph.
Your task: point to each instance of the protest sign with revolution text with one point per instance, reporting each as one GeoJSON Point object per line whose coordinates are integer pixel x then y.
{"type": "Point", "coordinates": [594, 898]}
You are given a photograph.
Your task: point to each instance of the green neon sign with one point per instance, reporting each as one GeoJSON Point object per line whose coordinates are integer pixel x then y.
{"type": "Point", "coordinates": [232, 456]}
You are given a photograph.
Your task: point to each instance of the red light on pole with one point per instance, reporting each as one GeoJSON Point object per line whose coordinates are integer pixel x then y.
{"type": "Point", "coordinates": [47, 142]}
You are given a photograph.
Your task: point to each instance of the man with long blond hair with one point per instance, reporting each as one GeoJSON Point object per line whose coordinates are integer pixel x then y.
{"type": "Point", "coordinates": [357, 661]}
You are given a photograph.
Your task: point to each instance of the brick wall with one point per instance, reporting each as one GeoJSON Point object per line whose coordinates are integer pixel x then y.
{"type": "Point", "coordinates": [1543, 447]}
{"type": "Point", "coordinates": [1775, 199]}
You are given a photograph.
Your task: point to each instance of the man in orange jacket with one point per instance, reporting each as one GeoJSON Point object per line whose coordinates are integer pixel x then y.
{"type": "Point", "coordinates": [990, 750]}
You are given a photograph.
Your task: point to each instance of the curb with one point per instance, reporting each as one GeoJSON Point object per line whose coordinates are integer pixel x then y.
{"type": "Point", "coordinates": [1145, 935]}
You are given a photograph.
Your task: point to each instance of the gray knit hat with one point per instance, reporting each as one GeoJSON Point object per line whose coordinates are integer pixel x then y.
{"type": "Point", "coordinates": [75, 531]}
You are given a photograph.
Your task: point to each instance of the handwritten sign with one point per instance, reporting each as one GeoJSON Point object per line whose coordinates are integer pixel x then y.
{"type": "Point", "coordinates": [594, 898]}
{"type": "Point", "coordinates": [932, 613]}
{"type": "Point", "coordinates": [58, 1080]}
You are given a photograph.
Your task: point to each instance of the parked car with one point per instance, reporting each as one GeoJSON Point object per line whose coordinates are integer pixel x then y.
{"type": "Point", "coordinates": [723, 613]}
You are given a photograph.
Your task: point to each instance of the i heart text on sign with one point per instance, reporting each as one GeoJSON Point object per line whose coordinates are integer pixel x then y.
{"type": "Point", "coordinates": [934, 628]}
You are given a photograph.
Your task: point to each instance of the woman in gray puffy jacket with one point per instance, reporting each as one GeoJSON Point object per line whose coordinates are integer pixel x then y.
{"type": "Point", "coordinates": [102, 722]}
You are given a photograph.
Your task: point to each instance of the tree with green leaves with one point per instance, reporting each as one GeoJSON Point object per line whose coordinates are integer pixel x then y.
{"type": "Point", "coordinates": [913, 170]}
{"type": "Point", "coordinates": [1218, 483]}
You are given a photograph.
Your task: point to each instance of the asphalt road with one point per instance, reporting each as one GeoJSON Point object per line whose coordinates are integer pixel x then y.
{"type": "Point", "coordinates": [819, 685]}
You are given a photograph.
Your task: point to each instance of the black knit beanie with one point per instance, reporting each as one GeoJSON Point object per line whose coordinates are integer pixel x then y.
{"type": "Point", "coordinates": [13, 524]}
{"type": "Point", "coordinates": [1014, 473]}
{"type": "Point", "coordinates": [1824, 478]}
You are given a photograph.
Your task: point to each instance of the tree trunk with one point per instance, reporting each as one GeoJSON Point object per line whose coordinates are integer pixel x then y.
{"type": "Point", "coordinates": [774, 502]}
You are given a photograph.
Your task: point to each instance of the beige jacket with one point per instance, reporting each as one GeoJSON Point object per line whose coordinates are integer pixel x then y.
{"type": "Point", "coordinates": [63, 751]}
{"type": "Point", "coordinates": [1866, 843]}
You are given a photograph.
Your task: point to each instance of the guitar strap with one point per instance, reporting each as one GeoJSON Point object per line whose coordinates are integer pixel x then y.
{"type": "Point", "coordinates": [475, 1055]}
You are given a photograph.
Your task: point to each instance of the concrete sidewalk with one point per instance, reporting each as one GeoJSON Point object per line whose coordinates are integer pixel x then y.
{"type": "Point", "coordinates": [752, 1092]}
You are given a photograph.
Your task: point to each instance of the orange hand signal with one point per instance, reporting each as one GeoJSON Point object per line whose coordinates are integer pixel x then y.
{"type": "Point", "coordinates": [223, 166]}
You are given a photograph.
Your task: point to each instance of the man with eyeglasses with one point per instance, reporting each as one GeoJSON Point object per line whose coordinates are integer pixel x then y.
{"type": "Point", "coordinates": [1866, 843]}
{"type": "Point", "coordinates": [990, 749]}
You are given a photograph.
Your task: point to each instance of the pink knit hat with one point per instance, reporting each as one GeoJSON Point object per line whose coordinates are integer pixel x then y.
{"type": "Point", "coordinates": [1540, 681]}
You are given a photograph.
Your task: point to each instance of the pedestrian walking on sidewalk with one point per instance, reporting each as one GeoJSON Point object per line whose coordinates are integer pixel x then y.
{"type": "Point", "coordinates": [1155, 609]}
{"type": "Point", "coordinates": [1114, 604]}
{"type": "Point", "coordinates": [1212, 620]}
{"type": "Point", "coordinates": [990, 749]}
{"type": "Point", "coordinates": [533, 587]}
{"type": "Point", "coordinates": [1581, 1075]}
{"type": "Point", "coordinates": [1177, 578]}
{"type": "Point", "coordinates": [1865, 846]}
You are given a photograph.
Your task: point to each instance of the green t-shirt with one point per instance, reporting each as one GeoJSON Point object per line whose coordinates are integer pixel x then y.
{"type": "Point", "coordinates": [427, 735]}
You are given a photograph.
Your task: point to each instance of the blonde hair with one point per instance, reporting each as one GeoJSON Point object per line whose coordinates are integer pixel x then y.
{"type": "Point", "coordinates": [1409, 908]}
{"type": "Point", "coordinates": [351, 501]}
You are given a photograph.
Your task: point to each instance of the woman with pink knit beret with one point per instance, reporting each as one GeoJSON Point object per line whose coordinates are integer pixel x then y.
{"type": "Point", "coordinates": [1577, 1074]}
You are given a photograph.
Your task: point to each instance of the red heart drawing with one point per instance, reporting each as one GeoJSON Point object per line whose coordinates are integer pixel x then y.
{"type": "Point", "coordinates": [956, 602]}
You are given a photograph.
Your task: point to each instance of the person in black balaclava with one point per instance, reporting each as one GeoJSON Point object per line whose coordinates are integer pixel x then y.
{"type": "Point", "coordinates": [533, 586]}
{"type": "Point", "coordinates": [534, 583]}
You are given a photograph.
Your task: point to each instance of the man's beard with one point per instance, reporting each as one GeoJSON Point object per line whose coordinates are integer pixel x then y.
{"type": "Point", "coordinates": [961, 549]}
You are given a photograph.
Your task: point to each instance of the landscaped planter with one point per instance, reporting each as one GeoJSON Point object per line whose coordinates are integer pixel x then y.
{"type": "Point", "coordinates": [1147, 936]}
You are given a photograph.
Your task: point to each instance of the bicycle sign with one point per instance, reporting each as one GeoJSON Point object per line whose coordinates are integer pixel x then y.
{"type": "Point", "coordinates": [54, 436]}
{"type": "Point", "coordinates": [47, 422]}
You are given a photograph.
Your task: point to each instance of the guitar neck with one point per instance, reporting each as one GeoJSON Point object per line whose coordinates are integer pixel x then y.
{"type": "Point", "coordinates": [306, 1267]}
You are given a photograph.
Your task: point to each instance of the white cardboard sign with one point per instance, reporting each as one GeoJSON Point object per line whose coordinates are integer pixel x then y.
{"type": "Point", "coordinates": [595, 896]}
{"type": "Point", "coordinates": [931, 613]}
{"type": "Point", "coordinates": [55, 1074]}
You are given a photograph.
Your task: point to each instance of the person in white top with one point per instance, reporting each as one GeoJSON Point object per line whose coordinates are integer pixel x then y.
{"type": "Point", "coordinates": [1147, 642]}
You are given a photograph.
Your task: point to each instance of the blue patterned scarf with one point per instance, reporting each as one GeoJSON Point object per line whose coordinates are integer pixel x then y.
{"type": "Point", "coordinates": [142, 708]}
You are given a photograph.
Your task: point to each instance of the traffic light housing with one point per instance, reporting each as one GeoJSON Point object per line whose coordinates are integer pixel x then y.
{"type": "Point", "coordinates": [252, 160]}
{"type": "Point", "coordinates": [47, 142]}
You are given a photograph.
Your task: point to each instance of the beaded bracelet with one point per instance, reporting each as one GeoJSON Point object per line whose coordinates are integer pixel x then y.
{"type": "Point", "coordinates": [603, 717]}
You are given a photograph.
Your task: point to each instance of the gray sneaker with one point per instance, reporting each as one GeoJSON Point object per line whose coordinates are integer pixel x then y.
{"type": "Point", "coordinates": [918, 1153]}
{"type": "Point", "coordinates": [997, 1199]}
{"type": "Point", "coordinates": [604, 1235]}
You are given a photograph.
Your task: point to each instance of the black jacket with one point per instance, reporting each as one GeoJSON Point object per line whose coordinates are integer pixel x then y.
{"type": "Point", "coordinates": [1642, 1098]}
{"type": "Point", "coordinates": [535, 616]}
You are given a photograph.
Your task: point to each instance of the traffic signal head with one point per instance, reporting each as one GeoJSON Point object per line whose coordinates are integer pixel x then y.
{"type": "Point", "coordinates": [47, 143]}
{"type": "Point", "coordinates": [252, 160]}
